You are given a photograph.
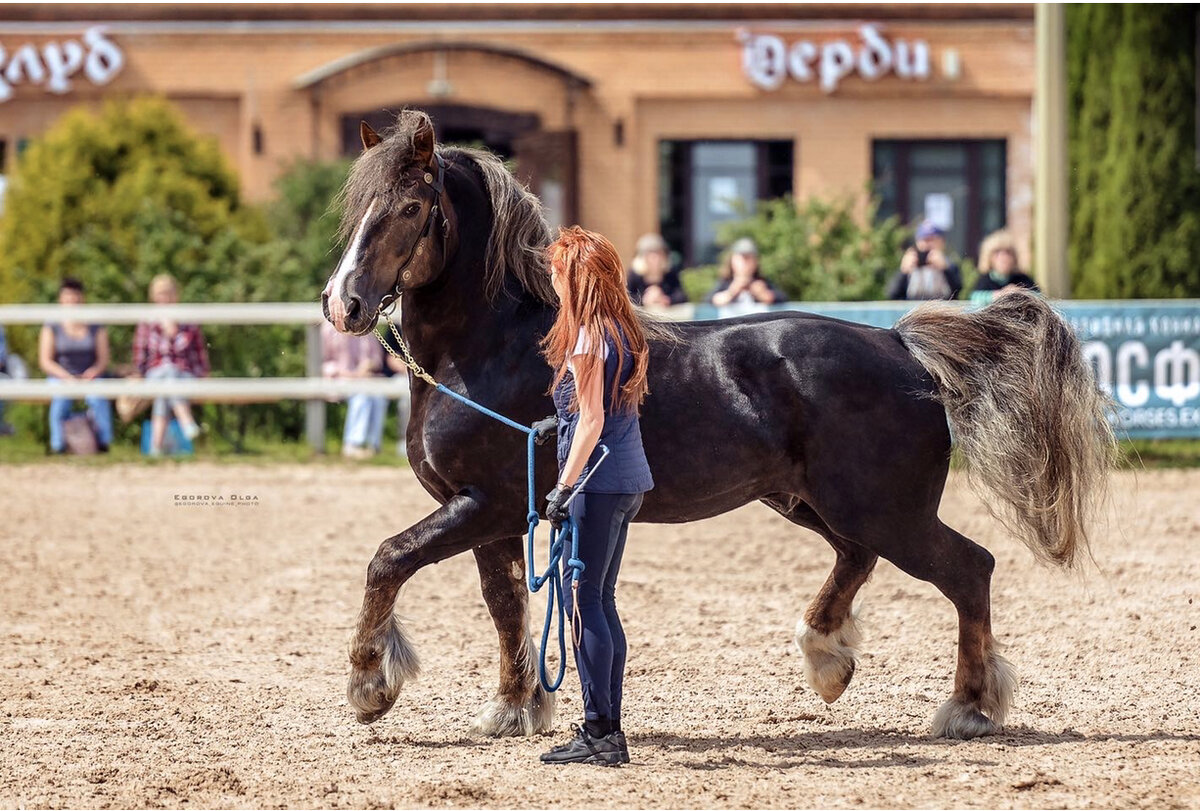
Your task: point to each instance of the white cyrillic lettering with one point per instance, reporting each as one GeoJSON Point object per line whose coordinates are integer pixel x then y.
{"type": "Point", "coordinates": [62, 61]}
{"type": "Point", "coordinates": [104, 59]}
{"type": "Point", "coordinates": [837, 60]}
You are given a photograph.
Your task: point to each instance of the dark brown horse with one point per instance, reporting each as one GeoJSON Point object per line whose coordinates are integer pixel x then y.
{"type": "Point", "coordinates": [843, 429]}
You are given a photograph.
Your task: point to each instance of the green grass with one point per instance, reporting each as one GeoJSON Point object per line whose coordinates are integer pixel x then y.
{"type": "Point", "coordinates": [26, 449]}
{"type": "Point", "coordinates": [1160, 453]}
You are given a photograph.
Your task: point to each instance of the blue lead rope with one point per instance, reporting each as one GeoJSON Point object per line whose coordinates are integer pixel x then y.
{"type": "Point", "coordinates": [553, 573]}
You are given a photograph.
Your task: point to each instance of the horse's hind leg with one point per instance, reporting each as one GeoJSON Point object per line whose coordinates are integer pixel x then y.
{"type": "Point", "coordinates": [521, 706]}
{"type": "Point", "coordinates": [961, 569]}
{"type": "Point", "coordinates": [828, 635]}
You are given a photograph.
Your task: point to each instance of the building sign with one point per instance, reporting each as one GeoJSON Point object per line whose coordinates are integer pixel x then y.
{"type": "Point", "coordinates": [1147, 356]}
{"type": "Point", "coordinates": [767, 60]}
{"type": "Point", "coordinates": [53, 65]}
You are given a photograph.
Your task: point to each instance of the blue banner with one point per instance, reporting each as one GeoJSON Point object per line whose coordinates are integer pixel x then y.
{"type": "Point", "coordinates": [1146, 354]}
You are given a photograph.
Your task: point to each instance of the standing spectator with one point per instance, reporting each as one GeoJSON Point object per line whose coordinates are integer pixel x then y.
{"type": "Point", "coordinates": [71, 350]}
{"type": "Point", "coordinates": [165, 350]}
{"type": "Point", "coordinates": [926, 271]}
{"type": "Point", "coordinates": [740, 279]}
{"type": "Point", "coordinates": [393, 367]}
{"type": "Point", "coordinates": [356, 356]}
{"type": "Point", "coordinates": [998, 273]}
{"type": "Point", "coordinates": [651, 280]}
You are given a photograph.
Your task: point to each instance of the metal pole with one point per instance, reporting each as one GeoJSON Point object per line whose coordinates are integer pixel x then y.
{"type": "Point", "coordinates": [314, 410]}
{"type": "Point", "coordinates": [1050, 187]}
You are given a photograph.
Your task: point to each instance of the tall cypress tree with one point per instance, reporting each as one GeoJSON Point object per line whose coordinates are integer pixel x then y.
{"type": "Point", "coordinates": [1135, 187]}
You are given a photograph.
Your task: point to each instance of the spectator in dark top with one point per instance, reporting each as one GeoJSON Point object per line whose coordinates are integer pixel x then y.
{"type": "Point", "coordinates": [998, 273]}
{"type": "Point", "coordinates": [651, 280]}
{"type": "Point", "coordinates": [70, 350]}
{"type": "Point", "coordinates": [926, 271]}
{"type": "Point", "coordinates": [740, 280]}
{"type": "Point", "coordinates": [166, 350]}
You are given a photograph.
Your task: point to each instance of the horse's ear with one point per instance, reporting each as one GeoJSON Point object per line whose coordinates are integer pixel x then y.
{"type": "Point", "coordinates": [423, 142]}
{"type": "Point", "coordinates": [369, 136]}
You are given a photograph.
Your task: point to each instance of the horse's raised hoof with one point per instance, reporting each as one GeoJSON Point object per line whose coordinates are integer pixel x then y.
{"type": "Point", "coordinates": [379, 666]}
{"type": "Point", "coordinates": [961, 721]}
{"type": "Point", "coordinates": [501, 717]}
{"type": "Point", "coordinates": [829, 659]}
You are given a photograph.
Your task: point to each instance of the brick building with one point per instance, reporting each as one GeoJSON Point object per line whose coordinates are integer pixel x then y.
{"type": "Point", "coordinates": [625, 118]}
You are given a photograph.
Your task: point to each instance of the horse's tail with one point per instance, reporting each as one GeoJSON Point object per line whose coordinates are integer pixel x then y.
{"type": "Point", "coordinates": [1024, 411]}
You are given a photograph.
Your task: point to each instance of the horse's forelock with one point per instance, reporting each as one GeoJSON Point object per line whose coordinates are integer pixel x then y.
{"type": "Point", "coordinates": [376, 173]}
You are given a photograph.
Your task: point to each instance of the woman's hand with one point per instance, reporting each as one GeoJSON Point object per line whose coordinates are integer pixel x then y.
{"type": "Point", "coordinates": [543, 429]}
{"type": "Point", "coordinates": [556, 505]}
{"type": "Point", "coordinates": [762, 292]}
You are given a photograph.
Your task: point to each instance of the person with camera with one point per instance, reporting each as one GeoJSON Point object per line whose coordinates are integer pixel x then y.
{"type": "Point", "coordinates": [926, 271]}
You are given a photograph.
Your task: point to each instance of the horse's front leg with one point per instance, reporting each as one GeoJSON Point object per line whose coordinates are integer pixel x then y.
{"type": "Point", "coordinates": [381, 657]}
{"type": "Point", "coordinates": [521, 706]}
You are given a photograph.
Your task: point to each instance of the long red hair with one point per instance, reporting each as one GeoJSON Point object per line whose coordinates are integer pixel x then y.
{"type": "Point", "coordinates": [597, 301]}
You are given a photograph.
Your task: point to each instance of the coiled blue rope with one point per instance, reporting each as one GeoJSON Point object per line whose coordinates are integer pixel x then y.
{"type": "Point", "coordinates": [552, 573]}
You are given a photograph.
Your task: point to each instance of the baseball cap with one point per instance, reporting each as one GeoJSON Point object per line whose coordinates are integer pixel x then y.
{"type": "Point", "coordinates": [929, 229]}
{"type": "Point", "coordinates": [744, 246]}
{"type": "Point", "coordinates": [649, 243]}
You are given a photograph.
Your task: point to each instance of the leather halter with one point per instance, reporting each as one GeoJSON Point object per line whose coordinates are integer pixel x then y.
{"type": "Point", "coordinates": [438, 184]}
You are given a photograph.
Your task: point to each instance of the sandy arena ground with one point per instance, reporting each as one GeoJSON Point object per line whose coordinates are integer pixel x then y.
{"type": "Point", "coordinates": [174, 656]}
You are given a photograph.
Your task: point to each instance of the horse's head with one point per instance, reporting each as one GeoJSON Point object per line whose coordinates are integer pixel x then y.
{"type": "Point", "coordinates": [397, 222]}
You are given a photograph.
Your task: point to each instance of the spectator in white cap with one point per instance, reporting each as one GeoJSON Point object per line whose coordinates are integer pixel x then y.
{"type": "Point", "coordinates": [741, 281]}
{"type": "Point", "coordinates": [998, 271]}
{"type": "Point", "coordinates": [651, 280]}
{"type": "Point", "coordinates": [926, 271]}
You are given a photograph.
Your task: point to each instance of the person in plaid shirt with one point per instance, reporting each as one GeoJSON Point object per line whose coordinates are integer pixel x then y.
{"type": "Point", "coordinates": [165, 350]}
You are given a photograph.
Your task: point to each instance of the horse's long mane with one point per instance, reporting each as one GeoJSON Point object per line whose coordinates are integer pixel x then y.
{"type": "Point", "coordinates": [519, 234]}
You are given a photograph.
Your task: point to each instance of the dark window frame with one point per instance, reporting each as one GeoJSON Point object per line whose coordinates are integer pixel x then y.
{"type": "Point", "coordinates": [773, 180]}
{"type": "Point", "coordinates": [973, 175]}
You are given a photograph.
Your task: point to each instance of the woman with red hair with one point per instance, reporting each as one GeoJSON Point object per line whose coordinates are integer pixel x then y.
{"type": "Point", "coordinates": [598, 351]}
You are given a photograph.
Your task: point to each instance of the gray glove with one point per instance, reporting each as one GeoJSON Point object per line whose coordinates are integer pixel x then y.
{"type": "Point", "coordinates": [543, 429]}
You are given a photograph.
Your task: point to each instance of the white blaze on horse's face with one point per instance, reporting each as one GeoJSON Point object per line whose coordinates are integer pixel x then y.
{"type": "Point", "coordinates": [335, 290]}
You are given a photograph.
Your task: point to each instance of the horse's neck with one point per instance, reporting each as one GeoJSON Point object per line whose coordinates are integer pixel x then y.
{"type": "Point", "coordinates": [462, 328]}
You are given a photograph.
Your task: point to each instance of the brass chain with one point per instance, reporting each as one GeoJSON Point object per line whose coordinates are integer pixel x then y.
{"type": "Point", "coordinates": [407, 359]}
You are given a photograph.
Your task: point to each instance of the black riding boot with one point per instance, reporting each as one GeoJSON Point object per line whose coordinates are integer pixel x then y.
{"type": "Point", "coordinates": [584, 748]}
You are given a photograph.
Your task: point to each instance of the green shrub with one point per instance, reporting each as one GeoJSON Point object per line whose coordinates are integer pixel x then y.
{"type": "Point", "coordinates": [821, 250]}
{"type": "Point", "coordinates": [117, 197]}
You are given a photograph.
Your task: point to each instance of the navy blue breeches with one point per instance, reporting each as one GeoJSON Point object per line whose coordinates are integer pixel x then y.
{"type": "Point", "coordinates": [603, 520]}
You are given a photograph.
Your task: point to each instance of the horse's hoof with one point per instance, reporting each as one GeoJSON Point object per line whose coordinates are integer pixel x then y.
{"type": "Point", "coordinates": [963, 722]}
{"type": "Point", "coordinates": [829, 659]}
{"type": "Point", "coordinates": [500, 717]}
{"type": "Point", "coordinates": [369, 717]}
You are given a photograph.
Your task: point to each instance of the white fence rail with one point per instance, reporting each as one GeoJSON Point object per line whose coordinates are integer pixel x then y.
{"type": "Point", "coordinates": [314, 389]}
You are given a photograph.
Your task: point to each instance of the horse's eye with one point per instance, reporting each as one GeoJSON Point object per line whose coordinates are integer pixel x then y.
{"type": "Point", "coordinates": [411, 210]}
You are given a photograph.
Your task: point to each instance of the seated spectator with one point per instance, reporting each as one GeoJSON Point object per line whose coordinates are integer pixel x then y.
{"type": "Point", "coordinates": [70, 350]}
{"type": "Point", "coordinates": [393, 367]}
{"type": "Point", "coordinates": [166, 350]}
{"type": "Point", "coordinates": [651, 280]}
{"type": "Point", "coordinates": [998, 272]}
{"type": "Point", "coordinates": [926, 271]}
{"type": "Point", "coordinates": [740, 280]}
{"type": "Point", "coordinates": [356, 356]}
{"type": "Point", "coordinates": [11, 368]}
